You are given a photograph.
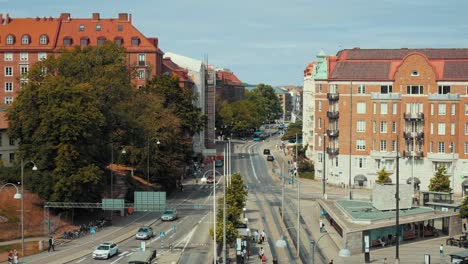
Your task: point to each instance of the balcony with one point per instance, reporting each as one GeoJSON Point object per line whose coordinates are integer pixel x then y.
{"type": "Point", "coordinates": [418, 155]}
{"type": "Point", "coordinates": [333, 96]}
{"type": "Point", "coordinates": [333, 114]}
{"type": "Point", "coordinates": [142, 63]}
{"type": "Point", "coordinates": [408, 135]}
{"type": "Point", "coordinates": [420, 136]}
{"type": "Point", "coordinates": [333, 132]}
{"type": "Point", "coordinates": [443, 97]}
{"type": "Point", "coordinates": [333, 151]}
{"type": "Point", "coordinates": [409, 154]}
{"type": "Point", "coordinates": [442, 156]}
{"type": "Point", "coordinates": [388, 96]}
{"type": "Point", "coordinates": [416, 116]}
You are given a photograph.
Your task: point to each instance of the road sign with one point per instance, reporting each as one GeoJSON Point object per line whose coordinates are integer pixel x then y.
{"type": "Point", "coordinates": [92, 230]}
{"type": "Point", "coordinates": [162, 234]}
{"type": "Point", "coordinates": [174, 229]}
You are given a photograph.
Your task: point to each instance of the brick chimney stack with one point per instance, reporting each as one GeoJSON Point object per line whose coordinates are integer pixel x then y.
{"type": "Point", "coordinates": [123, 16]}
{"type": "Point", "coordinates": [7, 19]}
{"type": "Point", "coordinates": [65, 16]}
{"type": "Point", "coordinates": [96, 16]}
{"type": "Point", "coordinates": [1, 19]}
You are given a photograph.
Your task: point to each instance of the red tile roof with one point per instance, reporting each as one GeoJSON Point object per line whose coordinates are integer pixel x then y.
{"type": "Point", "coordinates": [361, 70]}
{"type": "Point", "coordinates": [172, 67]}
{"type": "Point", "coordinates": [228, 78]}
{"type": "Point", "coordinates": [399, 54]}
{"type": "Point", "coordinates": [309, 68]}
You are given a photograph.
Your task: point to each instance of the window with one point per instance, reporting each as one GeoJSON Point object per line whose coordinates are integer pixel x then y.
{"type": "Point", "coordinates": [443, 89]}
{"type": "Point", "coordinates": [432, 128]}
{"type": "Point", "coordinates": [118, 41]}
{"type": "Point", "coordinates": [25, 40]}
{"type": "Point", "coordinates": [23, 56]}
{"type": "Point", "coordinates": [383, 127]}
{"type": "Point", "coordinates": [9, 87]}
{"type": "Point", "coordinates": [361, 89]}
{"type": "Point", "coordinates": [24, 69]}
{"type": "Point", "coordinates": [360, 162]}
{"type": "Point", "coordinates": [11, 141]}
{"type": "Point", "coordinates": [12, 157]}
{"type": "Point", "coordinates": [374, 127]}
{"type": "Point", "coordinates": [320, 157]}
{"type": "Point", "coordinates": [320, 88]}
{"type": "Point", "coordinates": [394, 127]}
{"type": "Point", "coordinates": [452, 109]}
{"type": "Point", "coordinates": [441, 129]}
{"type": "Point", "coordinates": [336, 162]}
{"type": "Point", "coordinates": [452, 147]}
{"type": "Point", "coordinates": [84, 42]}
{"type": "Point", "coordinates": [466, 109]}
{"type": "Point", "coordinates": [101, 40]}
{"type": "Point", "coordinates": [361, 144]}
{"type": "Point", "coordinates": [414, 73]}
{"type": "Point", "coordinates": [8, 100]}
{"type": "Point", "coordinates": [383, 145]}
{"type": "Point", "coordinates": [135, 41]}
{"type": "Point", "coordinates": [386, 89]}
{"type": "Point", "coordinates": [394, 108]}
{"type": "Point", "coordinates": [98, 27]}
{"type": "Point", "coordinates": [142, 59]}
{"type": "Point", "coordinates": [466, 128]}
{"type": "Point", "coordinates": [43, 40]}
{"type": "Point", "coordinates": [320, 106]}
{"type": "Point", "coordinates": [466, 148]}
{"type": "Point", "coordinates": [452, 129]}
{"type": "Point", "coordinates": [119, 27]}
{"type": "Point", "coordinates": [67, 41]}
{"type": "Point", "coordinates": [361, 108]}
{"type": "Point", "coordinates": [41, 56]}
{"type": "Point", "coordinates": [141, 74]}
{"type": "Point", "coordinates": [383, 108]}
{"type": "Point", "coordinates": [10, 40]}
{"type": "Point", "coordinates": [319, 125]}
{"type": "Point", "coordinates": [432, 109]}
{"type": "Point", "coordinates": [8, 56]}
{"type": "Point", "coordinates": [394, 145]}
{"type": "Point", "coordinates": [442, 109]}
{"type": "Point", "coordinates": [431, 146]}
{"type": "Point", "coordinates": [415, 89]}
{"type": "Point", "coordinates": [441, 147]}
{"type": "Point", "coordinates": [8, 71]}
{"type": "Point", "coordinates": [361, 126]}
{"type": "Point", "coordinates": [81, 27]}
{"type": "Point", "coordinates": [23, 84]}
{"type": "Point", "coordinates": [375, 108]}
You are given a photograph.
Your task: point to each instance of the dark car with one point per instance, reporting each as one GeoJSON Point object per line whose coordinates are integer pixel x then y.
{"type": "Point", "coordinates": [270, 158]}
{"type": "Point", "coordinates": [266, 152]}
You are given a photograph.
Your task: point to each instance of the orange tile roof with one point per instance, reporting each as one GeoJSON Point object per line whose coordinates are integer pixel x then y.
{"type": "Point", "coordinates": [228, 78]}
{"type": "Point", "coordinates": [169, 65]}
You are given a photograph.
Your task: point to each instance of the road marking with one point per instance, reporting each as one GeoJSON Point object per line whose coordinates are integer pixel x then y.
{"type": "Point", "coordinates": [117, 260]}
{"type": "Point", "coordinates": [123, 253]}
{"type": "Point", "coordinates": [168, 231]}
{"type": "Point", "coordinates": [80, 260]}
{"type": "Point", "coordinates": [253, 167]}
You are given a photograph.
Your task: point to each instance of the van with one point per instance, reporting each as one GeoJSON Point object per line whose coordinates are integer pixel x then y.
{"type": "Point", "coordinates": [142, 257]}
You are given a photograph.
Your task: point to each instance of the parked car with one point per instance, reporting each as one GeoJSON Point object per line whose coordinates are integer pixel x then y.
{"type": "Point", "coordinates": [145, 232]}
{"type": "Point", "coordinates": [266, 152]}
{"type": "Point", "coordinates": [210, 179]}
{"type": "Point", "coordinates": [270, 158]}
{"type": "Point", "coordinates": [169, 214]}
{"type": "Point", "coordinates": [105, 250]}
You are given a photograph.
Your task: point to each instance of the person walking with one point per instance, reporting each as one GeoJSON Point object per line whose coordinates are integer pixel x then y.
{"type": "Point", "coordinates": [321, 225]}
{"type": "Point", "coordinates": [15, 257]}
{"type": "Point", "coordinates": [441, 250]}
{"type": "Point", "coordinates": [51, 244]}
{"type": "Point", "coordinates": [261, 253]}
{"type": "Point", "coordinates": [331, 261]}
{"type": "Point", "coordinates": [255, 236]}
{"type": "Point", "coordinates": [263, 235]}
{"type": "Point", "coordinates": [10, 257]}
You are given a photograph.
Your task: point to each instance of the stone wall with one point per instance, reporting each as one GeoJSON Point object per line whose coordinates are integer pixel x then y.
{"type": "Point", "coordinates": [383, 196]}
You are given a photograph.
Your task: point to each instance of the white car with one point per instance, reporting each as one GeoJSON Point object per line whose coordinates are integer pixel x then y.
{"type": "Point", "coordinates": [169, 214]}
{"type": "Point", "coordinates": [105, 250]}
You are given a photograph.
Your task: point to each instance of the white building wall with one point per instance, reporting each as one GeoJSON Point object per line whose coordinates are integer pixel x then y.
{"type": "Point", "coordinates": [308, 124]}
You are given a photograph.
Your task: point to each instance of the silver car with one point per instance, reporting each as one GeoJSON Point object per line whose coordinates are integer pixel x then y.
{"type": "Point", "coordinates": [144, 232]}
{"type": "Point", "coordinates": [169, 215]}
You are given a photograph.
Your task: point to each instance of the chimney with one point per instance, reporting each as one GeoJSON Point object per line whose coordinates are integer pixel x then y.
{"type": "Point", "coordinates": [130, 18]}
{"type": "Point", "coordinates": [65, 16]}
{"type": "Point", "coordinates": [7, 19]}
{"type": "Point", "coordinates": [123, 16]}
{"type": "Point", "coordinates": [95, 16]}
{"type": "Point", "coordinates": [1, 19]}
{"type": "Point", "coordinates": [153, 41]}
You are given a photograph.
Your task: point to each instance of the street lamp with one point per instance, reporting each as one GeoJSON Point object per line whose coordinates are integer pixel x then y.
{"type": "Point", "coordinates": [324, 155]}
{"type": "Point", "coordinates": [243, 210]}
{"type": "Point", "coordinates": [34, 168]}
{"type": "Point", "coordinates": [112, 170]}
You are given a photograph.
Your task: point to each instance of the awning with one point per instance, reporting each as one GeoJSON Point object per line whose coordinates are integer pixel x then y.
{"type": "Point", "coordinates": [410, 180]}
{"type": "Point", "coordinates": [360, 178]}
{"type": "Point", "coordinates": [465, 183]}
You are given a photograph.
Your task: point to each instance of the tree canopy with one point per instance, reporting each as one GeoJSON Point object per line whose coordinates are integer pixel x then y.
{"type": "Point", "coordinates": [440, 182]}
{"type": "Point", "coordinates": [383, 176]}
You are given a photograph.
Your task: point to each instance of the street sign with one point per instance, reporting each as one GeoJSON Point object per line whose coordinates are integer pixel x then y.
{"type": "Point", "coordinates": [162, 234]}
{"type": "Point", "coordinates": [174, 229]}
{"type": "Point", "coordinates": [92, 230]}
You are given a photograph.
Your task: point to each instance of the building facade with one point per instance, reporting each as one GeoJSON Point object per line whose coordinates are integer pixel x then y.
{"type": "Point", "coordinates": [376, 106]}
{"type": "Point", "coordinates": [228, 87]}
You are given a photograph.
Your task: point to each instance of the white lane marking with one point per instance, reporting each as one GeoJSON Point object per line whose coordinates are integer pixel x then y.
{"type": "Point", "coordinates": [167, 231]}
{"type": "Point", "coordinates": [251, 163]}
{"type": "Point", "coordinates": [123, 253]}
{"type": "Point", "coordinates": [80, 260]}
{"type": "Point", "coordinates": [188, 237]}
{"type": "Point", "coordinates": [115, 261]}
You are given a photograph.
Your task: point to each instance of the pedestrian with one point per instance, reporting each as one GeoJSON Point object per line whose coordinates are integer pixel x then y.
{"type": "Point", "coordinates": [441, 250]}
{"type": "Point", "coordinates": [261, 253]}
{"type": "Point", "coordinates": [263, 234]}
{"type": "Point", "coordinates": [464, 226]}
{"type": "Point", "coordinates": [15, 256]}
{"type": "Point", "coordinates": [51, 244]}
{"type": "Point", "coordinates": [10, 257]}
{"type": "Point", "coordinates": [243, 256]}
{"type": "Point", "coordinates": [331, 261]}
{"type": "Point", "coordinates": [275, 261]}
{"type": "Point", "coordinates": [385, 261]}
{"type": "Point", "coordinates": [256, 236]}
{"type": "Point", "coordinates": [181, 187]}
{"type": "Point", "coordinates": [321, 225]}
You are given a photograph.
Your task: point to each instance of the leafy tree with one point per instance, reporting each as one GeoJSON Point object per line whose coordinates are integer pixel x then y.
{"type": "Point", "coordinates": [383, 176]}
{"type": "Point", "coordinates": [464, 208]}
{"type": "Point", "coordinates": [440, 182]}
{"type": "Point", "coordinates": [231, 233]}
{"type": "Point", "coordinates": [293, 130]}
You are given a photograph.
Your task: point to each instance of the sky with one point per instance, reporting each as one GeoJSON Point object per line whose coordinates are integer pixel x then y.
{"type": "Point", "coordinates": [272, 41]}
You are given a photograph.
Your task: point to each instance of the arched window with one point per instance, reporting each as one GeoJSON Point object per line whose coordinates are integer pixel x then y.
{"type": "Point", "coordinates": [84, 41]}
{"type": "Point", "coordinates": [101, 41]}
{"type": "Point", "coordinates": [135, 41]}
{"type": "Point", "coordinates": [43, 40]}
{"type": "Point", "coordinates": [25, 40]}
{"type": "Point", "coordinates": [118, 41]}
{"type": "Point", "coordinates": [10, 40]}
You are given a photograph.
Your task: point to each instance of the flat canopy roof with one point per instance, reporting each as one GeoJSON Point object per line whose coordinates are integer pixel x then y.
{"type": "Point", "coordinates": [461, 254]}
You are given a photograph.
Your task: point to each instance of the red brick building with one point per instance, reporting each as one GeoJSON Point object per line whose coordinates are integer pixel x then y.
{"type": "Point", "coordinates": [228, 87]}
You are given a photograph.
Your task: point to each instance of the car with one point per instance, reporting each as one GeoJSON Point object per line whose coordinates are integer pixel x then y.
{"type": "Point", "coordinates": [270, 158]}
{"type": "Point", "coordinates": [210, 179]}
{"type": "Point", "coordinates": [106, 250]}
{"type": "Point", "coordinates": [266, 152]}
{"type": "Point", "coordinates": [144, 232]}
{"type": "Point", "coordinates": [169, 214]}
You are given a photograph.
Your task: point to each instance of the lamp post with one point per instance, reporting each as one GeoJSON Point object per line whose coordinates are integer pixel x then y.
{"type": "Point", "coordinates": [224, 209]}
{"type": "Point", "coordinates": [243, 210]}
{"type": "Point", "coordinates": [34, 168]}
{"type": "Point", "coordinates": [148, 161]}
{"type": "Point", "coordinates": [397, 201]}
{"type": "Point", "coordinates": [324, 155]}
{"type": "Point", "coordinates": [112, 171]}
{"type": "Point", "coordinates": [214, 213]}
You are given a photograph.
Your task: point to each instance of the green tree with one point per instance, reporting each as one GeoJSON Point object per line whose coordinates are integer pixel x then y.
{"type": "Point", "coordinates": [383, 176]}
{"type": "Point", "coordinates": [440, 182]}
{"type": "Point", "coordinates": [464, 208]}
{"type": "Point", "coordinates": [293, 130]}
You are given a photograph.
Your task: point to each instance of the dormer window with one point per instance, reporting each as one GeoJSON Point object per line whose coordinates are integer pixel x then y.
{"type": "Point", "coordinates": [135, 41]}
{"type": "Point", "coordinates": [118, 41]}
{"type": "Point", "coordinates": [119, 27]}
{"type": "Point", "coordinates": [84, 42]}
{"type": "Point", "coordinates": [43, 40]}
{"type": "Point", "coordinates": [98, 27]}
{"type": "Point", "coordinates": [10, 40]}
{"type": "Point", "coordinates": [81, 27]}
{"type": "Point", "coordinates": [415, 73]}
{"type": "Point", "coordinates": [25, 40]}
{"type": "Point", "coordinates": [101, 41]}
{"type": "Point", "coordinates": [67, 41]}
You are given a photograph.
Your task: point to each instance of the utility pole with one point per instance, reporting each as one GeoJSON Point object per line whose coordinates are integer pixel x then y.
{"type": "Point", "coordinates": [298, 215]}
{"type": "Point", "coordinates": [282, 193]}
{"type": "Point", "coordinates": [397, 199]}
{"type": "Point", "coordinates": [214, 213]}
{"type": "Point", "coordinates": [324, 155]}
{"type": "Point", "coordinates": [224, 212]}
